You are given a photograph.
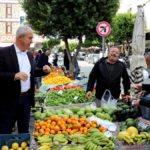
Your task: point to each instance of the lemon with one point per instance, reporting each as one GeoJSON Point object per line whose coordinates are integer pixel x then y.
{"type": "Point", "coordinates": [27, 148]}
{"type": "Point", "coordinates": [23, 145]}
{"type": "Point", "coordinates": [19, 148]}
{"type": "Point", "coordinates": [5, 148]}
{"type": "Point", "coordinates": [15, 145]}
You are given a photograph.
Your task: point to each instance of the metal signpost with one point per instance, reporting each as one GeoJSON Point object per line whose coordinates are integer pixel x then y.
{"type": "Point", "coordinates": [103, 29]}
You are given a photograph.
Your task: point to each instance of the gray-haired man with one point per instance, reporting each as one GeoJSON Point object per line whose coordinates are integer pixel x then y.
{"type": "Point", "coordinates": [17, 74]}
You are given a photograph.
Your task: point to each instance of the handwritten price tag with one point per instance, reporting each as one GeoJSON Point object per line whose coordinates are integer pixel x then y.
{"type": "Point", "coordinates": [143, 125]}
{"type": "Point", "coordinates": [76, 97]}
{"type": "Point", "coordinates": [108, 134]}
{"type": "Point", "coordinates": [60, 92]}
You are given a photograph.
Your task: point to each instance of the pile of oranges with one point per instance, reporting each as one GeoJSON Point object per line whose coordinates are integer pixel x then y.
{"type": "Point", "coordinates": [58, 70]}
{"type": "Point", "coordinates": [57, 125]}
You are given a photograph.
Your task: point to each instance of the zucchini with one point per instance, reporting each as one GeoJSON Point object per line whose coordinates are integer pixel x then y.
{"type": "Point", "coordinates": [129, 119]}
{"type": "Point", "coordinates": [120, 103]}
{"type": "Point", "coordinates": [123, 124]}
{"type": "Point", "coordinates": [131, 123]}
{"type": "Point", "coordinates": [124, 106]}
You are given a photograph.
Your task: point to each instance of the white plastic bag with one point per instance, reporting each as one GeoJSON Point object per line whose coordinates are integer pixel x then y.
{"type": "Point", "coordinates": [107, 100]}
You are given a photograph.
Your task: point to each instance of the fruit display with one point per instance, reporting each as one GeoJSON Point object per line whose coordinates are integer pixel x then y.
{"type": "Point", "coordinates": [67, 97]}
{"type": "Point", "coordinates": [36, 108]}
{"type": "Point", "coordinates": [56, 79]}
{"type": "Point", "coordinates": [15, 146]}
{"type": "Point", "coordinates": [57, 125]}
{"type": "Point", "coordinates": [65, 87]}
{"type": "Point", "coordinates": [129, 122]}
{"type": "Point", "coordinates": [124, 112]}
{"type": "Point", "coordinates": [132, 136]}
{"type": "Point", "coordinates": [73, 147]}
{"type": "Point", "coordinates": [57, 70]}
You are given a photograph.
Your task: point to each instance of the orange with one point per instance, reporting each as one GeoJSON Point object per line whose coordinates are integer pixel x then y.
{"type": "Point", "coordinates": [88, 125]}
{"type": "Point", "coordinates": [48, 121]}
{"type": "Point", "coordinates": [52, 132]}
{"type": "Point", "coordinates": [56, 128]}
{"type": "Point", "coordinates": [72, 118]}
{"type": "Point", "coordinates": [81, 129]}
{"type": "Point", "coordinates": [47, 130]}
{"type": "Point", "coordinates": [41, 123]}
{"type": "Point", "coordinates": [82, 122]}
{"type": "Point", "coordinates": [48, 125]}
{"type": "Point", "coordinates": [36, 133]}
{"type": "Point", "coordinates": [94, 125]}
{"type": "Point", "coordinates": [52, 118]}
{"type": "Point", "coordinates": [78, 125]}
{"type": "Point", "coordinates": [94, 121]}
{"type": "Point", "coordinates": [59, 132]}
{"type": "Point", "coordinates": [85, 128]}
{"type": "Point", "coordinates": [68, 130]}
{"type": "Point", "coordinates": [47, 133]}
{"type": "Point", "coordinates": [69, 120]}
{"type": "Point", "coordinates": [59, 123]}
{"type": "Point", "coordinates": [85, 132]}
{"type": "Point", "coordinates": [43, 127]}
{"type": "Point", "coordinates": [65, 119]}
{"type": "Point", "coordinates": [53, 123]}
{"type": "Point", "coordinates": [57, 119]}
{"type": "Point", "coordinates": [64, 128]}
{"type": "Point", "coordinates": [52, 127]}
{"type": "Point", "coordinates": [71, 132]}
{"type": "Point", "coordinates": [76, 118]}
{"type": "Point", "coordinates": [63, 132]}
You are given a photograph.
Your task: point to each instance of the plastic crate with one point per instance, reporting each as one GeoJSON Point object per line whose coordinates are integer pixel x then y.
{"type": "Point", "coordinates": [9, 139]}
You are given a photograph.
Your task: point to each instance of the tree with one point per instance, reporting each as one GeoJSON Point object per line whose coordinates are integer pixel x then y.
{"type": "Point", "coordinates": [45, 46]}
{"type": "Point", "coordinates": [69, 18]}
{"type": "Point", "coordinates": [53, 42]}
{"type": "Point", "coordinates": [72, 47]}
{"type": "Point", "coordinates": [123, 25]}
{"type": "Point", "coordinates": [89, 43]}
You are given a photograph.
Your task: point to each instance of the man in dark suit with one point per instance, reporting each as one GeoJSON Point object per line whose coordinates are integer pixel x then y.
{"type": "Point", "coordinates": [37, 56]}
{"type": "Point", "coordinates": [17, 81]}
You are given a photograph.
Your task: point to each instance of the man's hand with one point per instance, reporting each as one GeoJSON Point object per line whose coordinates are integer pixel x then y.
{"type": "Point", "coordinates": [128, 97]}
{"type": "Point", "coordinates": [21, 76]}
{"type": "Point", "coordinates": [143, 93]}
{"type": "Point", "coordinates": [137, 102]}
{"type": "Point", "coordinates": [138, 87]}
{"type": "Point", "coordinates": [46, 69]}
{"type": "Point", "coordinates": [88, 94]}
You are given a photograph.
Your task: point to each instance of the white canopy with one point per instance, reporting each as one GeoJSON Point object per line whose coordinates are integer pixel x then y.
{"type": "Point", "coordinates": [138, 41]}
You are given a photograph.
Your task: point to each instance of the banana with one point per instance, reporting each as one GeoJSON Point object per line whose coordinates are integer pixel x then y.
{"type": "Point", "coordinates": [137, 135]}
{"type": "Point", "coordinates": [45, 141]}
{"type": "Point", "coordinates": [43, 138]}
{"type": "Point", "coordinates": [91, 146]}
{"type": "Point", "coordinates": [64, 143]}
{"type": "Point", "coordinates": [95, 147]}
{"type": "Point", "coordinates": [145, 133]}
{"type": "Point", "coordinates": [88, 144]}
{"type": "Point", "coordinates": [101, 143]}
{"type": "Point", "coordinates": [104, 140]}
{"type": "Point", "coordinates": [46, 144]}
{"type": "Point", "coordinates": [132, 141]}
{"type": "Point", "coordinates": [135, 139]}
{"type": "Point", "coordinates": [139, 139]}
{"type": "Point", "coordinates": [99, 148]}
{"type": "Point", "coordinates": [112, 146]}
{"type": "Point", "coordinates": [143, 136]}
{"type": "Point", "coordinates": [87, 140]}
{"type": "Point", "coordinates": [59, 140]}
{"type": "Point", "coordinates": [125, 139]}
{"type": "Point", "coordinates": [93, 130]}
{"type": "Point", "coordinates": [43, 148]}
{"type": "Point", "coordinates": [142, 141]}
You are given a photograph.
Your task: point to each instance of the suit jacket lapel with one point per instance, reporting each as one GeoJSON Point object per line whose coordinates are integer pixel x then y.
{"type": "Point", "coordinates": [31, 60]}
{"type": "Point", "coordinates": [14, 58]}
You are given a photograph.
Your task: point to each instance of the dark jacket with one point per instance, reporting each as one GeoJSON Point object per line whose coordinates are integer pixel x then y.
{"type": "Point", "coordinates": [36, 58]}
{"type": "Point", "coordinates": [66, 61]}
{"type": "Point", "coordinates": [42, 61]}
{"type": "Point", "coordinates": [55, 61]}
{"type": "Point", "coordinates": [10, 89]}
{"type": "Point", "coordinates": [143, 101]}
{"type": "Point", "coordinates": [100, 73]}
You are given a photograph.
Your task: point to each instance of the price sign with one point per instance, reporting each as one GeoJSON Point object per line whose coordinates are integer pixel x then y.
{"type": "Point", "coordinates": [143, 125]}
{"type": "Point", "coordinates": [60, 92]}
{"type": "Point", "coordinates": [108, 134]}
{"type": "Point", "coordinates": [76, 97]}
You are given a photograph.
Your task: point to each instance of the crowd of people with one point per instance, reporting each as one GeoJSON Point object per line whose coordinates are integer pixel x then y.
{"type": "Point", "coordinates": [19, 69]}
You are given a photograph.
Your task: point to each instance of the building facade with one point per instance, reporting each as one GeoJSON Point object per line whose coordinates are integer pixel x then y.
{"type": "Point", "coordinates": [11, 15]}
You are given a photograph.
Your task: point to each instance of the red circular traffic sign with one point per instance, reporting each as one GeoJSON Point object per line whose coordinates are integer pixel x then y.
{"type": "Point", "coordinates": [103, 28]}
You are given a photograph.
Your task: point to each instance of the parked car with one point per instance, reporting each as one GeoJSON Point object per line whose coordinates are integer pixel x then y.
{"type": "Point", "coordinates": [93, 58]}
{"type": "Point", "coordinates": [81, 55]}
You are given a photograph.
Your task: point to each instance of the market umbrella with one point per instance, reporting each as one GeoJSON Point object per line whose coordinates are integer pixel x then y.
{"type": "Point", "coordinates": [138, 48]}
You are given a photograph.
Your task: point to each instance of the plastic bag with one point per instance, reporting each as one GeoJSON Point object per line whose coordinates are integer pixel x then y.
{"type": "Point", "coordinates": [108, 101]}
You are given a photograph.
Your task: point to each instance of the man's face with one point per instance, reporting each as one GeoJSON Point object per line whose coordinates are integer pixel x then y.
{"type": "Point", "coordinates": [113, 54]}
{"type": "Point", "coordinates": [147, 61]}
{"type": "Point", "coordinates": [26, 40]}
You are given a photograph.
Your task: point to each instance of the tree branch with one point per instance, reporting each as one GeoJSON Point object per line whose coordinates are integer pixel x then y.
{"type": "Point", "coordinates": [67, 48]}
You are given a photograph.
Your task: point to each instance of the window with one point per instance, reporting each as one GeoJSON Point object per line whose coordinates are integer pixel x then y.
{"type": "Point", "coordinates": [8, 11]}
{"type": "Point", "coordinates": [2, 27]}
{"type": "Point", "coordinates": [8, 27]}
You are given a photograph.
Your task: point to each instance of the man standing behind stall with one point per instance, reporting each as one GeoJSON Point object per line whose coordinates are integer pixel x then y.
{"type": "Point", "coordinates": [108, 72]}
{"type": "Point", "coordinates": [17, 81]}
{"type": "Point", "coordinates": [38, 54]}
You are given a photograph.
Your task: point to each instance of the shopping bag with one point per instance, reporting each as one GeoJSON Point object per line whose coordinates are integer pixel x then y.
{"type": "Point", "coordinates": [108, 101]}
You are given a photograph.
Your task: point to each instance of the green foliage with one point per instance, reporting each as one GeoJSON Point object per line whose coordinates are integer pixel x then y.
{"type": "Point", "coordinates": [89, 43]}
{"type": "Point", "coordinates": [45, 46]}
{"type": "Point", "coordinates": [123, 25]}
{"type": "Point", "coordinates": [69, 18]}
{"type": "Point", "coordinates": [53, 42]}
{"type": "Point", "coordinates": [72, 46]}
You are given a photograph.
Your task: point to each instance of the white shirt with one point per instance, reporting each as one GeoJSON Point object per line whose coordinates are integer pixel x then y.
{"type": "Point", "coordinates": [24, 65]}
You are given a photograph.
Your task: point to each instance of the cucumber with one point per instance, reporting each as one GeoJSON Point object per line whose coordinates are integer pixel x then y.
{"type": "Point", "coordinates": [139, 128]}
{"type": "Point", "coordinates": [119, 109]}
{"type": "Point", "coordinates": [120, 103]}
{"type": "Point", "coordinates": [123, 124]}
{"type": "Point", "coordinates": [130, 123]}
{"type": "Point", "coordinates": [124, 106]}
{"type": "Point", "coordinates": [129, 119]}
{"type": "Point", "coordinates": [124, 129]}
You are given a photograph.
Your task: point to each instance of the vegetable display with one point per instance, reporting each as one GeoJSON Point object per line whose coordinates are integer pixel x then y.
{"type": "Point", "coordinates": [40, 95]}
{"type": "Point", "coordinates": [56, 79]}
{"type": "Point", "coordinates": [67, 97]}
{"type": "Point", "coordinates": [65, 87]}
